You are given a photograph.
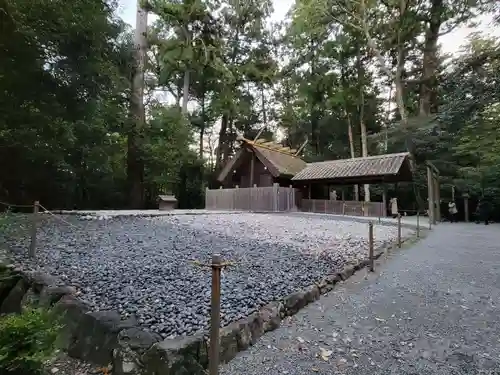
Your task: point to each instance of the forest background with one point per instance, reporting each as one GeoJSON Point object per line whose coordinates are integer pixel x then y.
{"type": "Point", "coordinates": [89, 120]}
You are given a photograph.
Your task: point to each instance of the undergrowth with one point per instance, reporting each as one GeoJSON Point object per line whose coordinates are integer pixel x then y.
{"type": "Point", "coordinates": [27, 341]}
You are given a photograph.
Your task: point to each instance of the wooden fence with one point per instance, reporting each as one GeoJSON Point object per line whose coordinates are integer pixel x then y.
{"type": "Point", "coordinates": [280, 199]}
{"type": "Point", "coordinates": [352, 208]}
{"type": "Point", "coordinates": [262, 199]}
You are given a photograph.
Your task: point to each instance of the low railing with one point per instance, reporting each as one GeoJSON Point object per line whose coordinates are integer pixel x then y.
{"type": "Point", "coordinates": [352, 208]}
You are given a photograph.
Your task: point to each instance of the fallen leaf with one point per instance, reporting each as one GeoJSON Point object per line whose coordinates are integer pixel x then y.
{"type": "Point", "coordinates": [315, 369]}
{"type": "Point", "coordinates": [325, 354]}
{"type": "Point", "coordinates": [379, 319]}
{"type": "Point", "coordinates": [301, 340]}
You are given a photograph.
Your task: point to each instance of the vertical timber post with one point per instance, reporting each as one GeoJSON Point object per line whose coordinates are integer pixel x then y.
{"type": "Point", "coordinates": [370, 244]}
{"type": "Point", "coordinates": [215, 316]}
{"type": "Point", "coordinates": [466, 207]}
{"type": "Point", "coordinates": [384, 201]}
{"type": "Point", "coordinates": [418, 224]}
{"type": "Point", "coordinates": [399, 230]}
{"type": "Point", "coordinates": [207, 203]}
{"type": "Point", "coordinates": [252, 168]}
{"type": "Point", "coordinates": [430, 193]}
{"type": "Point", "coordinates": [275, 197]}
{"type": "Point", "coordinates": [437, 199]}
{"type": "Point", "coordinates": [34, 223]}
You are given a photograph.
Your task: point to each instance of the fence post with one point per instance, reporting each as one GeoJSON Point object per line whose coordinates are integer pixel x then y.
{"type": "Point", "coordinates": [418, 224]}
{"type": "Point", "coordinates": [399, 230]}
{"type": "Point", "coordinates": [370, 244]}
{"type": "Point", "coordinates": [215, 316]}
{"type": "Point", "coordinates": [343, 208]}
{"type": "Point", "coordinates": [33, 229]}
{"type": "Point", "coordinates": [275, 197]}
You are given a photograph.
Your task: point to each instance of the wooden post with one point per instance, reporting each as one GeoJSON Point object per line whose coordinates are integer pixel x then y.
{"type": "Point", "coordinates": [418, 224]}
{"type": "Point", "coordinates": [466, 207]}
{"type": "Point", "coordinates": [215, 316]}
{"type": "Point", "coordinates": [252, 168]}
{"type": "Point", "coordinates": [399, 230]}
{"type": "Point", "coordinates": [453, 193]}
{"type": "Point", "coordinates": [34, 223]}
{"type": "Point", "coordinates": [207, 205]}
{"type": "Point", "coordinates": [437, 199]}
{"type": "Point", "coordinates": [384, 201]}
{"type": "Point", "coordinates": [430, 193]}
{"type": "Point", "coordinates": [370, 249]}
{"type": "Point", "coordinates": [275, 197]}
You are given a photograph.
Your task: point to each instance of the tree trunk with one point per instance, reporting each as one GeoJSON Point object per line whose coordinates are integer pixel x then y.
{"type": "Point", "coordinates": [345, 89]}
{"type": "Point", "coordinates": [429, 62]}
{"type": "Point", "coordinates": [222, 142]}
{"type": "Point", "coordinates": [353, 153]}
{"type": "Point", "coordinates": [263, 100]}
{"type": "Point", "coordinates": [135, 162]}
{"type": "Point", "coordinates": [202, 126]}
{"type": "Point", "coordinates": [185, 92]}
{"type": "Point", "coordinates": [361, 110]}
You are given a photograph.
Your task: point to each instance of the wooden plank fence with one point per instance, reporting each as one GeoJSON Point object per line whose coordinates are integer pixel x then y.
{"type": "Point", "coordinates": [262, 199]}
{"type": "Point", "coordinates": [352, 208]}
{"type": "Point", "coordinates": [281, 199]}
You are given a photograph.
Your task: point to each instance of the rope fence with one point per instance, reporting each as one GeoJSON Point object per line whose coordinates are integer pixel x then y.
{"type": "Point", "coordinates": [216, 265]}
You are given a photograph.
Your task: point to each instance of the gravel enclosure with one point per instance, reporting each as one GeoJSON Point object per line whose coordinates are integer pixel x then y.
{"type": "Point", "coordinates": [141, 266]}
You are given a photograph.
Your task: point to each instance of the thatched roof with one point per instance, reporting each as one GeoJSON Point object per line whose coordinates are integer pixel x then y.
{"type": "Point", "coordinates": [381, 167]}
{"type": "Point", "coordinates": [283, 162]}
{"type": "Point", "coordinates": [280, 161]}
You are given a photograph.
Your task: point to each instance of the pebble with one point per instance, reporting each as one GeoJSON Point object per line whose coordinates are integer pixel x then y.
{"type": "Point", "coordinates": [144, 265]}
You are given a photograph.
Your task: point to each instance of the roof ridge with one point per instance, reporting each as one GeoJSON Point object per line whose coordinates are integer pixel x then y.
{"type": "Point", "coordinates": [371, 157]}
{"type": "Point", "coordinates": [261, 145]}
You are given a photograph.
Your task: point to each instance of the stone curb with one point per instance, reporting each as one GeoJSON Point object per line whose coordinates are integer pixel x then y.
{"type": "Point", "coordinates": [103, 338]}
{"type": "Point", "coordinates": [239, 335]}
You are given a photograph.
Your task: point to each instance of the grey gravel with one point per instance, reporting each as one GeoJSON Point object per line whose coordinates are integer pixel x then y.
{"type": "Point", "coordinates": [432, 309]}
{"type": "Point", "coordinates": [143, 267]}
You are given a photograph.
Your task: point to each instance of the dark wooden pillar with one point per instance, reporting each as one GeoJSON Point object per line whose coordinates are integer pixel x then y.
{"type": "Point", "coordinates": [384, 201]}
{"type": "Point", "coordinates": [252, 168]}
{"type": "Point", "coordinates": [437, 196]}
{"type": "Point", "coordinates": [466, 207]}
{"type": "Point", "coordinates": [430, 193]}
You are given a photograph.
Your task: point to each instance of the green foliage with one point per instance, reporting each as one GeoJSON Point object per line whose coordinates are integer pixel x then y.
{"type": "Point", "coordinates": [27, 341]}
{"type": "Point", "coordinates": [65, 90]}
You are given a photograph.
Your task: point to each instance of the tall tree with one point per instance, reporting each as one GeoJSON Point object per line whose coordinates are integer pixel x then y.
{"type": "Point", "coordinates": [135, 158]}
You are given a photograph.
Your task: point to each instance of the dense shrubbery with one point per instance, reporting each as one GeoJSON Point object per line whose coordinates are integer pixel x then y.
{"type": "Point", "coordinates": [27, 341]}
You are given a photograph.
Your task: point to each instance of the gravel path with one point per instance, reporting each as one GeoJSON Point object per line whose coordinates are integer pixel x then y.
{"type": "Point", "coordinates": [433, 309]}
{"type": "Point", "coordinates": [141, 266]}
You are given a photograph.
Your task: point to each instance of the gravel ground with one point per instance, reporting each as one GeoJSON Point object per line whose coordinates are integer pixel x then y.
{"type": "Point", "coordinates": [433, 309]}
{"type": "Point", "coordinates": [141, 266]}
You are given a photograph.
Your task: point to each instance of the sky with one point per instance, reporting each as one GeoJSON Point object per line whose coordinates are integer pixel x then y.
{"type": "Point", "coordinates": [450, 43]}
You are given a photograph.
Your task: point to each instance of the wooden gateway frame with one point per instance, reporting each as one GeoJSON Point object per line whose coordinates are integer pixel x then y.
{"type": "Point", "coordinates": [433, 188]}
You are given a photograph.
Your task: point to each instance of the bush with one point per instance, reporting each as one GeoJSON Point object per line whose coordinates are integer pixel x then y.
{"type": "Point", "coordinates": [27, 341]}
